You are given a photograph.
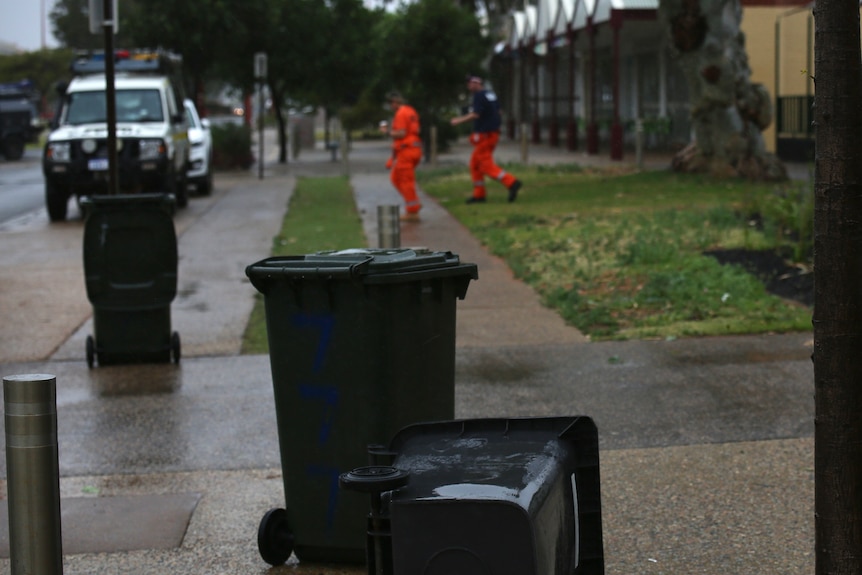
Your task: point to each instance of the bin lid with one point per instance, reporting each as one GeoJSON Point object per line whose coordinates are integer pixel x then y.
{"type": "Point", "coordinates": [370, 265]}
{"type": "Point", "coordinates": [499, 458]}
{"type": "Point", "coordinates": [120, 202]}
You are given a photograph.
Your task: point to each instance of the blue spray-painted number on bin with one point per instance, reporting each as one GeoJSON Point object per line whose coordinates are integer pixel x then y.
{"type": "Point", "coordinates": [328, 394]}
{"type": "Point", "coordinates": [331, 475]}
{"type": "Point", "coordinates": [322, 322]}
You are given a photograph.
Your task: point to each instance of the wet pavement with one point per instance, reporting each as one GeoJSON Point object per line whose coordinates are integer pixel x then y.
{"type": "Point", "coordinates": [706, 444]}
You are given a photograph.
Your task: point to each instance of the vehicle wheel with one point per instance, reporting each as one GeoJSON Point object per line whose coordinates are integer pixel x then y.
{"type": "Point", "coordinates": [91, 351]}
{"type": "Point", "coordinates": [57, 202]}
{"type": "Point", "coordinates": [181, 192]}
{"type": "Point", "coordinates": [176, 186]}
{"type": "Point", "coordinates": [175, 347]}
{"type": "Point", "coordinates": [205, 186]}
{"type": "Point", "coordinates": [181, 188]}
{"type": "Point", "coordinates": [13, 147]}
{"type": "Point", "coordinates": [274, 538]}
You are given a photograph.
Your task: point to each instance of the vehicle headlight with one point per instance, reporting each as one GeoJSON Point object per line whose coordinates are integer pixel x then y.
{"type": "Point", "coordinates": [152, 149]}
{"type": "Point", "coordinates": [89, 146]}
{"type": "Point", "coordinates": [59, 152]}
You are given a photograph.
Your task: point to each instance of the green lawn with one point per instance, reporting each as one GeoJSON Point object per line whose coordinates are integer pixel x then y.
{"type": "Point", "coordinates": [618, 255]}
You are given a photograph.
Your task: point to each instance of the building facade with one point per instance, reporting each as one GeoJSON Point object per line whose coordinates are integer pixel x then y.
{"type": "Point", "coordinates": [598, 75]}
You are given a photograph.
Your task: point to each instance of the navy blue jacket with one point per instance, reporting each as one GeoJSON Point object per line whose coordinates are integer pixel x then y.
{"type": "Point", "coordinates": [487, 106]}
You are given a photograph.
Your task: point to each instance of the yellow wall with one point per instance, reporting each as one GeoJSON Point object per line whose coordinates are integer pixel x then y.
{"type": "Point", "coordinates": [759, 27]}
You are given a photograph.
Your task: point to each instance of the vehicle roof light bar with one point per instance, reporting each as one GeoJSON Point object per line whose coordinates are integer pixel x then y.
{"type": "Point", "coordinates": [137, 61]}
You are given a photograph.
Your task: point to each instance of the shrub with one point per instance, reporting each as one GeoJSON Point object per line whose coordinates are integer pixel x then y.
{"type": "Point", "coordinates": [232, 147]}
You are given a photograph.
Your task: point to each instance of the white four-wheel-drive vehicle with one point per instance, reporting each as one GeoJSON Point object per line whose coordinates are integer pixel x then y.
{"type": "Point", "coordinates": [152, 134]}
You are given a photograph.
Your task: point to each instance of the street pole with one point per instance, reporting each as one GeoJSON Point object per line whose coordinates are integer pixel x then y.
{"type": "Point", "coordinates": [260, 130]}
{"type": "Point", "coordinates": [110, 96]}
{"type": "Point", "coordinates": [260, 77]}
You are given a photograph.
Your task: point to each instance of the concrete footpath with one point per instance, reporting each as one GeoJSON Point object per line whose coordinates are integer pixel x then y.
{"type": "Point", "coordinates": [706, 444]}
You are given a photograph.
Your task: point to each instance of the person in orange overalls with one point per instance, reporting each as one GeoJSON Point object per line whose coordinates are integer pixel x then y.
{"type": "Point", "coordinates": [485, 113]}
{"type": "Point", "coordinates": [406, 154]}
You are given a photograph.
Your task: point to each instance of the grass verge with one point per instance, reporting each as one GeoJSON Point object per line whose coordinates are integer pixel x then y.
{"type": "Point", "coordinates": [622, 255]}
{"type": "Point", "coordinates": [321, 216]}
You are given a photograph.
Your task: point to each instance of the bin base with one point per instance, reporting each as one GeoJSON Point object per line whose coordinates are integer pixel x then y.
{"type": "Point", "coordinates": [132, 336]}
{"type": "Point", "coordinates": [313, 554]}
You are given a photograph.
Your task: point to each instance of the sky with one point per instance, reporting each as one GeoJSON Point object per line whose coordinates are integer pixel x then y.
{"type": "Point", "coordinates": [20, 23]}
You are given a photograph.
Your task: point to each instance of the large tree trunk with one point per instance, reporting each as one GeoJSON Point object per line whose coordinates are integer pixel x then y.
{"type": "Point", "coordinates": [838, 289]}
{"type": "Point", "coordinates": [277, 99]}
{"type": "Point", "coordinates": [728, 112]}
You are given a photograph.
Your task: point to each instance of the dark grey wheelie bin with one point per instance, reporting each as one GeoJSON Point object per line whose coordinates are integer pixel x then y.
{"type": "Point", "coordinates": [130, 270]}
{"type": "Point", "coordinates": [361, 343]}
{"type": "Point", "coordinates": [505, 495]}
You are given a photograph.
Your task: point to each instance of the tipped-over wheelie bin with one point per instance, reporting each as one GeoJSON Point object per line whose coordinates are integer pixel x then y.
{"type": "Point", "coordinates": [130, 269]}
{"type": "Point", "coordinates": [501, 495]}
{"type": "Point", "coordinates": [361, 343]}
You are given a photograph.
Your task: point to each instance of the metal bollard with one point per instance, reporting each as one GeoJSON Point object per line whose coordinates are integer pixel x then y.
{"type": "Point", "coordinates": [33, 474]}
{"type": "Point", "coordinates": [388, 227]}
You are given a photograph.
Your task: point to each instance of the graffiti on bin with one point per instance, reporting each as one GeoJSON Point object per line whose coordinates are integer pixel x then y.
{"type": "Point", "coordinates": [323, 323]}
{"type": "Point", "coordinates": [330, 474]}
{"type": "Point", "coordinates": [323, 397]}
{"type": "Point", "coordinates": [328, 395]}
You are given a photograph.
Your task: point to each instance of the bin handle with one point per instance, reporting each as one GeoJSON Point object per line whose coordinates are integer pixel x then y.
{"type": "Point", "coordinates": [298, 267]}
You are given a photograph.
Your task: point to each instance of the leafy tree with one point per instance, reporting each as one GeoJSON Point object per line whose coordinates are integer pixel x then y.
{"type": "Point", "coordinates": [70, 23]}
{"type": "Point", "coordinates": [296, 50]}
{"type": "Point", "coordinates": [45, 68]}
{"type": "Point", "coordinates": [349, 61]}
{"type": "Point", "coordinates": [429, 49]}
{"type": "Point", "coordinates": [187, 28]}
{"type": "Point", "coordinates": [289, 32]}
{"type": "Point", "coordinates": [837, 289]}
{"type": "Point", "coordinates": [319, 53]}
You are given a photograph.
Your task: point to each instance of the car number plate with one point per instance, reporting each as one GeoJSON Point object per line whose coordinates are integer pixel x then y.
{"type": "Point", "coordinates": [98, 164]}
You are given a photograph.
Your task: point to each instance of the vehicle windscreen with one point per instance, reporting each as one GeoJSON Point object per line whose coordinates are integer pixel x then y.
{"type": "Point", "coordinates": [132, 106]}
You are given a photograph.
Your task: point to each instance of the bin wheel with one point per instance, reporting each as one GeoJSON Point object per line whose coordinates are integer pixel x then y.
{"type": "Point", "coordinates": [91, 351]}
{"type": "Point", "coordinates": [374, 479]}
{"type": "Point", "coordinates": [274, 538]}
{"type": "Point", "coordinates": [175, 347]}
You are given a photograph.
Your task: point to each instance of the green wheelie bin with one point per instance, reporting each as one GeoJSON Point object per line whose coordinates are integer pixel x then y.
{"type": "Point", "coordinates": [361, 344]}
{"type": "Point", "coordinates": [130, 270]}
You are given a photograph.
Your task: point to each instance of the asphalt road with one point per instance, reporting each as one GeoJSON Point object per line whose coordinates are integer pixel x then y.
{"type": "Point", "coordinates": [21, 186]}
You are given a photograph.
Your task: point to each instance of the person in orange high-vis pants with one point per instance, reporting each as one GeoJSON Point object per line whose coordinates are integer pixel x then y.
{"type": "Point", "coordinates": [406, 154]}
{"type": "Point", "coordinates": [485, 113]}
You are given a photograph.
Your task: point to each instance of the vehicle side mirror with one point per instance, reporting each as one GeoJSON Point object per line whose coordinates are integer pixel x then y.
{"type": "Point", "coordinates": [205, 122]}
